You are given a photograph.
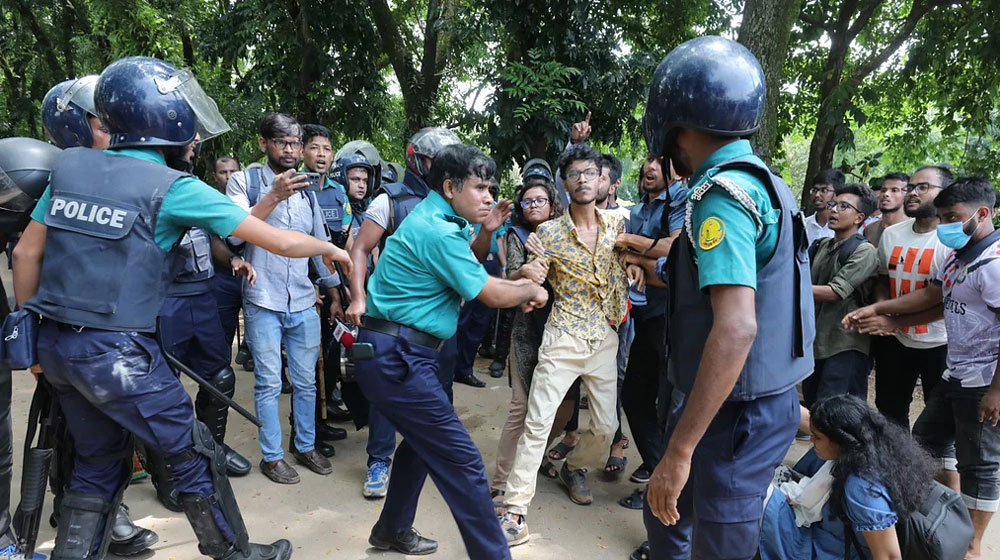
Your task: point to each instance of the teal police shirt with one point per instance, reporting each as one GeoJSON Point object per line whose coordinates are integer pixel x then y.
{"type": "Point", "coordinates": [426, 270]}
{"type": "Point", "coordinates": [729, 241]}
{"type": "Point", "coordinates": [189, 202]}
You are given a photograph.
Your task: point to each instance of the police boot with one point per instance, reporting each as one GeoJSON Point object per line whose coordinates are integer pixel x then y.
{"type": "Point", "coordinates": [158, 474]}
{"type": "Point", "coordinates": [83, 525]}
{"type": "Point", "coordinates": [211, 541]}
{"type": "Point", "coordinates": [215, 415]}
{"type": "Point", "coordinates": [127, 538]}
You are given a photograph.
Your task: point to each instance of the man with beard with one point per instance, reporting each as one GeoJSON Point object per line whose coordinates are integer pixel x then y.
{"type": "Point", "coordinates": [223, 168]}
{"type": "Point", "coordinates": [890, 203]}
{"type": "Point", "coordinates": [910, 255]}
{"type": "Point", "coordinates": [821, 192]}
{"type": "Point", "coordinates": [280, 307]}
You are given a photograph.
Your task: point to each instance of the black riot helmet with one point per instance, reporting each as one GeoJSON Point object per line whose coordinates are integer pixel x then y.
{"type": "Point", "coordinates": [711, 84]}
{"type": "Point", "coordinates": [367, 151]}
{"type": "Point", "coordinates": [25, 165]}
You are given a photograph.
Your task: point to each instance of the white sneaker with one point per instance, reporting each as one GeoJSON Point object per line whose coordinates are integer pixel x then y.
{"type": "Point", "coordinates": [377, 482]}
{"type": "Point", "coordinates": [516, 532]}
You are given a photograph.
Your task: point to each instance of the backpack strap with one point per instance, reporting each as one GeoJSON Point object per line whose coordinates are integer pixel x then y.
{"type": "Point", "coordinates": [848, 247]}
{"type": "Point", "coordinates": [254, 179]}
{"type": "Point", "coordinates": [392, 216]}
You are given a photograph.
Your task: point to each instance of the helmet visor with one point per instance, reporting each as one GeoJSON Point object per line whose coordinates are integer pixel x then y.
{"type": "Point", "coordinates": [81, 94]}
{"type": "Point", "coordinates": [211, 123]}
{"type": "Point", "coordinates": [12, 198]}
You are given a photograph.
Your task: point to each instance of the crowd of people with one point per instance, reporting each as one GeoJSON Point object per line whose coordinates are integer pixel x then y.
{"type": "Point", "coordinates": [713, 312]}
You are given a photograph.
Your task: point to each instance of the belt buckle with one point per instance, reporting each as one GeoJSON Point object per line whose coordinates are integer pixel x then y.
{"type": "Point", "coordinates": [77, 328]}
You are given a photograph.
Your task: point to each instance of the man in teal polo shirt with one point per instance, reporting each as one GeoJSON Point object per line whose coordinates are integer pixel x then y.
{"type": "Point", "coordinates": [424, 273]}
{"type": "Point", "coordinates": [740, 325]}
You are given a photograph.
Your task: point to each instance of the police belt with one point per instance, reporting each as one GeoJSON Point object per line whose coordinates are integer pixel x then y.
{"type": "Point", "coordinates": [391, 328]}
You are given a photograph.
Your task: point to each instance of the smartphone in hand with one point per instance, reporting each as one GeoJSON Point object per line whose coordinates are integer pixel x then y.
{"type": "Point", "coordinates": [314, 183]}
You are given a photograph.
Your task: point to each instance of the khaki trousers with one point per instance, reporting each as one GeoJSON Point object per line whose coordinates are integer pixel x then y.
{"type": "Point", "coordinates": [563, 358]}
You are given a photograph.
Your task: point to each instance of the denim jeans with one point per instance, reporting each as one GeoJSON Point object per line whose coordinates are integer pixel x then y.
{"type": "Point", "coordinates": [266, 330]}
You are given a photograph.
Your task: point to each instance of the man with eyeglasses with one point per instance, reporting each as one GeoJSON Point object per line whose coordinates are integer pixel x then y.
{"type": "Point", "coordinates": [580, 339]}
{"type": "Point", "coordinates": [842, 270]}
{"type": "Point", "coordinates": [280, 306]}
{"type": "Point", "coordinates": [821, 193]}
{"type": "Point", "coordinates": [890, 203]}
{"type": "Point", "coordinates": [910, 256]}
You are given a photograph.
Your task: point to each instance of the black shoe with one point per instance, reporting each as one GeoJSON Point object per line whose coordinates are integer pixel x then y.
{"type": "Point", "coordinates": [496, 369]}
{"type": "Point", "coordinates": [249, 365]}
{"type": "Point", "coordinates": [242, 355]}
{"type": "Point", "coordinates": [325, 449]}
{"type": "Point", "coordinates": [330, 433]}
{"type": "Point", "coordinates": [470, 380]}
{"type": "Point", "coordinates": [128, 539]}
{"type": "Point", "coordinates": [278, 550]}
{"type": "Point", "coordinates": [286, 385]}
{"type": "Point", "coordinates": [336, 412]}
{"type": "Point", "coordinates": [407, 541]}
{"type": "Point", "coordinates": [236, 464]}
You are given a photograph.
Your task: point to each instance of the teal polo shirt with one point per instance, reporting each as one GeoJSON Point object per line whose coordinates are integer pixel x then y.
{"type": "Point", "coordinates": [426, 269]}
{"type": "Point", "coordinates": [724, 232]}
{"type": "Point", "coordinates": [189, 202]}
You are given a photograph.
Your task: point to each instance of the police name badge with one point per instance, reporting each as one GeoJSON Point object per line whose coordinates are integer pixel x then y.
{"type": "Point", "coordinates": [711, 233]}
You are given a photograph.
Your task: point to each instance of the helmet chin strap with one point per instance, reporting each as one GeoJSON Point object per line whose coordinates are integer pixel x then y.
{"type": "Point", "coordinates": [671, 154]}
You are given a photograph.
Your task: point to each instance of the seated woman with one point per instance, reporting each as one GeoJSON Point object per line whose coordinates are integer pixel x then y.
{"type": "Point", "coordinates": [879, 475]}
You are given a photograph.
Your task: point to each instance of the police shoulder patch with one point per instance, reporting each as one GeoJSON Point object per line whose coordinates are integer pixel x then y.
{"type": "Point", "coordinates": [711, 233]}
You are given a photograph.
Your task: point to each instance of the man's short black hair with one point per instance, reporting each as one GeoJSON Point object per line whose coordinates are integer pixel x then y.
{"type": "Point", "coordinates": [896, 176]}
{"type": "Point", "coordinates": [867, 202]}
{"type": "Point", "coordinates": [457, 162]}
{"type": "Point", "coordinates": [613, 165]}
{"type": "Point", "coordinates": [967, 190]}
{"type": "Point", "coordinates": [279, 125]}
{"type": "Point", "coordinates": [944, 173]}
{"type": "Point", "coordinates": [832, 177]}
{"type": "Point", "coordinates": [224, 159]}
{"type": "Point", "coordinates": [578, 152]}
{"type": "Point", "coordinates": [310, 131]}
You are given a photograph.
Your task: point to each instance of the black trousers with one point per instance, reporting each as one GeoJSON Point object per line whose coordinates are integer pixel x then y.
{"type": "Point", "coordinates": [647, 363]}
{"type": "Point", "coordinates": [6, 454]}
{"type": "Point", "coordinates": [897, 368]}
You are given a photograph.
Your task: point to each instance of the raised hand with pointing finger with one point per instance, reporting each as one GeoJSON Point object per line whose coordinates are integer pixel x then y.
{"type": "Point", "coordinates": [581, 131]}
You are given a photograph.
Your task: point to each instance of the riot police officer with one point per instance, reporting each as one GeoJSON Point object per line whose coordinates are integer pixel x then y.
{"type": "Point", "coordinates": [25, 164]}
{"type": "Point", "coordinates": [740, 328]}
{"type": "Point", "coordinates": [106, 223]}
{"type": "Point", "coordinates": [70, 120]}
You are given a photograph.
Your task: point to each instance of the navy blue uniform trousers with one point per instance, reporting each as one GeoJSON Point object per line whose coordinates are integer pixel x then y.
{"type": "Point", "coordinates": [401, 382]}
{"type": "Point", "coordinates": [721, 505]}
{"type": "Point", "coordinates": [190, 330]}
{"type": "Point", "coordinates": [111, 383]}
{"type": "Point", "coordinates": [228, 291]}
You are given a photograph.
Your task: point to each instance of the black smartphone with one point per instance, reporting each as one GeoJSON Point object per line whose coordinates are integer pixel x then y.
{"type": "Point", "coordinates": [314, 183]}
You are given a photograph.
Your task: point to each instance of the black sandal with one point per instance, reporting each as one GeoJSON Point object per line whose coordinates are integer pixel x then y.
{"type": "Point", "coordinates": [635, 500]}
{"type": "Point", "coordinates": [560, 450]}
{"type": "Point", "coordinates": [614, 468]}
{"type": "Point", "coordinates": [548, 470]}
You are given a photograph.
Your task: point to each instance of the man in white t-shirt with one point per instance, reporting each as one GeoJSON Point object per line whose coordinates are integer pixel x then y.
{"type": "Point", "coordinates": [910, 257]}
{"type": "Point", "coordinates": [821, 193]}
{"type": "Point", "coordinates": [959, 423]}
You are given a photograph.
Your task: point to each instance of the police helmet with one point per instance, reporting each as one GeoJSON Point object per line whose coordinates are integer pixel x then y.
{"type": "Point", "coordinates": [427, 142]}
{"type": "Point", "coordinates": [353, 161]}
{"type": "Point", "coordinates": [711, 84]}
{"type": "Point", "coordinates": [366, 150]}
{"type": "Point", "coordinates": [25, 165]}
{"type": "Point", "coordinates": [147, 102]}
{"type": "Point", "coordinates": [537, 168]}
{"type": "Point", "coordinates": [66, 112]}
{"type": "Point", "coordinates": [389, 174]}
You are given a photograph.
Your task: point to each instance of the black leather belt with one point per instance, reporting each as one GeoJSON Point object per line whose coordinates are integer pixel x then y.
{"type": "Point", "coordinates": [390, 328]}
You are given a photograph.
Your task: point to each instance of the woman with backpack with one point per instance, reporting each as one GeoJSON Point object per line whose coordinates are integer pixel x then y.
{"type": "Point", "coordinates": [877, 477]}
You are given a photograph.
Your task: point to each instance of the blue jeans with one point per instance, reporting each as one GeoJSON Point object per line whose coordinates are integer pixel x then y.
{"type": "Point", "coordinates": [299, 331]}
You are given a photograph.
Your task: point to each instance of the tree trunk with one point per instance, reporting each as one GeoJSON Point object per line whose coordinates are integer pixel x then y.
{"type": "Point", "coordinates": [67, 37]}
{"type": "Point", "coordinates": [766, 28]}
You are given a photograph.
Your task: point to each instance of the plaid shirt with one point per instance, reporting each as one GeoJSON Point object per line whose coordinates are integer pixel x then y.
{"type": "Point", "coordinates": [591, 289]}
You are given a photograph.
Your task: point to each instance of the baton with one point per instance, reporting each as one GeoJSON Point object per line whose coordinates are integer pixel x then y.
{"type": "Point", "coordinates": [211, 389]}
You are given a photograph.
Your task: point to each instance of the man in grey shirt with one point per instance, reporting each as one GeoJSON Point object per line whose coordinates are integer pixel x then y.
{"type": "Point", "coordinates": [280, 306]}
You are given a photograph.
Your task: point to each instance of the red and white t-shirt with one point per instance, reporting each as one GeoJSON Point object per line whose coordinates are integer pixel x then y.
{"type": "Point", "coordinates": [911, 261]}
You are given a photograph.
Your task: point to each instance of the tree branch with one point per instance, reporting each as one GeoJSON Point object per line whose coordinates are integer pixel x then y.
{"type": "Point", "coordinates": [918, 11]}
{"type": "Point", "coordinates": [392, 44]}
{"type": "Point", "coordinates": [815, 22]}
{"type": "Point", "coordinates": [28, 17]}
{"type": "Point", "coordinates": [863, 19]}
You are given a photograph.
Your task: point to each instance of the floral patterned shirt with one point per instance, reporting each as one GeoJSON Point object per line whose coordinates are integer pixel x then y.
{"type": "Point", "coordinates": [591, 289]}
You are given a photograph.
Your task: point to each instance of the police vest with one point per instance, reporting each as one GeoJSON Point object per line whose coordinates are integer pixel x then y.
{"type": "Point", "coordinates": [102, 266]}
{"type": "Point", "coordinates": [333, 205]}
{"type": "Point", "coordinates": [781, 355]}
{"type": "Point", "coordinates": [403, 198]}
{"type": "Point", "coordinates": [192, 264]}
